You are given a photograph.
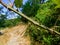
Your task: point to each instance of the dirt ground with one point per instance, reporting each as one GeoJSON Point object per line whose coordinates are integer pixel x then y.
{"type": "Point", "coordinates": [15, 36]}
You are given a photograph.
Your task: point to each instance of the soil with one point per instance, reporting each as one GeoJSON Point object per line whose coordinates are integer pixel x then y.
{"type": "Point", "coordinates": [15, 36]}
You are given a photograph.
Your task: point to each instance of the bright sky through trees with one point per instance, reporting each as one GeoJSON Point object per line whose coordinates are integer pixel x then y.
{"type": "Point", "coordinates": [11, 15]}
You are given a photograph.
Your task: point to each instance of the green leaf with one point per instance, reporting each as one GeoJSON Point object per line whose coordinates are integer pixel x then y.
{"type": "Point", "coordinates": [18, 3]}
{"type": "Point", "coordinates": [57, 2]}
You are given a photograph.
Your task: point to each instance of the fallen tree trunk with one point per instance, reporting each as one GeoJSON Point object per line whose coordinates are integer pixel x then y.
{"type": "Point", "coordinates": [31, 20]}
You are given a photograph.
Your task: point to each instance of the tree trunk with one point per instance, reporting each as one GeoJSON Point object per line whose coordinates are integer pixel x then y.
{"type": "Point", "coordinates": [31, 20]}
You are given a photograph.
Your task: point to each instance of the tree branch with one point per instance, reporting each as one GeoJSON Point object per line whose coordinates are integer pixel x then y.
{"type": "Point", "coordinates": [31, 20]}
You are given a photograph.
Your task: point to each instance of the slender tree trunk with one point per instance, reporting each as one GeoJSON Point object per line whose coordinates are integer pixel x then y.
{"type": "Point", "coordinates": [31, 20]}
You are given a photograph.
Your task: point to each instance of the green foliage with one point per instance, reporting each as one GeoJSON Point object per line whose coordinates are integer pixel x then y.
{"type": "Point", "coordinates": [47, 40]}
{"type": "Point", "coordinates": [42, 36]}
{"type": "Point", "coordinates": [12, 22]}
{"type": "Point", "coordinates": [57, 2]}
{"type": "Point", "coordinates": [27, 9]}
{"type": "Point", "coordinates": [8, 23]}
{"type": "Point", "coordinates": [2, 20]}
{"type": "Point", "coordinates": [49, 20]}
{"type": "Point", "coordinates": [30, 8]}
{"type": "Point", "coordinates": [34, 1]}
{"type": "Point", "coordinates": [58, 23]}
{"type": "Point", "coordinates": [45, 14]}
{"type": "Point", "coordinates": [18, 3]}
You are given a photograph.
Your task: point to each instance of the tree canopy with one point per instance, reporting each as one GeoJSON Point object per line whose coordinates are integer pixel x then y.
{"type": "Point", "coordinates": [45, 29]}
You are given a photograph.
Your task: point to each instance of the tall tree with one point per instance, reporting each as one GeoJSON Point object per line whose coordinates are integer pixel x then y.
{"type": "Point", "coordinates": [31, 7]}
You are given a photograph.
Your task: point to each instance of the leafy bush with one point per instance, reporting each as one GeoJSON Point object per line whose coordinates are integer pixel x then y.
{"type": "Point", "coordinates": [12, 22]}
{"type": "Point", "coordinates": [42, 36]}
{"type": "Point", "coordinates": [2, 20]}
{"type": "Point", "coordinates": [46, 15]}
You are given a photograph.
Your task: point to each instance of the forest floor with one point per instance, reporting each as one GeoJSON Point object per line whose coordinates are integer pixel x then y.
{"type": "Point", "coordinates": [15, 36]}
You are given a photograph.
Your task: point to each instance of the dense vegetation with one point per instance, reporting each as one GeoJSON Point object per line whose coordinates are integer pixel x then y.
{"type": "Point", "coordinates": [44, 12]}
{"type": "Point", "coordinates": [4, 22]}
{"type": "Point", "coordinates": [48, 15]}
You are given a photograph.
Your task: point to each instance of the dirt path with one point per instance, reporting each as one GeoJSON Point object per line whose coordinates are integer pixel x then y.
{"type": "Point", "coordinates": [15, 36]}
